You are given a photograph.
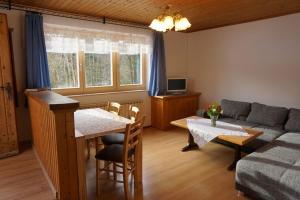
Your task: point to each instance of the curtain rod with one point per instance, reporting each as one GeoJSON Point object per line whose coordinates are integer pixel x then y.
{"type": "Point", "coordinates": [12, 6]}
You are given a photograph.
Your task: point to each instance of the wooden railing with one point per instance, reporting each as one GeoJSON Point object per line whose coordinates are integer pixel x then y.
{"type": "Point", "coordinates": [53, 132]}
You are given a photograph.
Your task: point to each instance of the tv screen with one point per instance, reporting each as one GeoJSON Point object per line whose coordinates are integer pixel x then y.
{"type": "Point", "coordinates": [176, 85]}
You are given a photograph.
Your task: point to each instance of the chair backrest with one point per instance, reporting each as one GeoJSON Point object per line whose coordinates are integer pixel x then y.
{"type": "Point", "coordinates": [114, 107]}
{"type": "Point", "coordinates": [134, 113]}
{"type": "Point", "coordinates": [133, 137]}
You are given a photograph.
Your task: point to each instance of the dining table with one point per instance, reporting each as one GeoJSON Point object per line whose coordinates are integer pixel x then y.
{"type": "Point", "coordinates": [91, 124]}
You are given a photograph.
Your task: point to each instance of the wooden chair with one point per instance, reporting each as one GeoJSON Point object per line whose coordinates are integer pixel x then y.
{"type": "Point", "coordinates": [114, 107]}
{"type": "Point", "coordinates": [122, 156]}
{"type": "Point", "coordinates": [134, 113]}
{"type": "Point", "coordinates": [118, 138]}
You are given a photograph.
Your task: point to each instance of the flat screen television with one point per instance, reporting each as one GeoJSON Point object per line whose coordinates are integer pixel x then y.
{"type": "Point", "coordinates": [177, 85]}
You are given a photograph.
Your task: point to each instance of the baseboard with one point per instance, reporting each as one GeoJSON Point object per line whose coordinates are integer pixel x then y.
{"type": "Point", "coordinates": [54, 192]}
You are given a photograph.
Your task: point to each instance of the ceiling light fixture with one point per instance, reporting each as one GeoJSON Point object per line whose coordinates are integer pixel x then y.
{"type": "Point", "coordinates": [168, 21]}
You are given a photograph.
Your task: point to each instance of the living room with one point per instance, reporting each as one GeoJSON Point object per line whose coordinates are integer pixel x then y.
{"type": "Point", "coordinates": [240, 56]}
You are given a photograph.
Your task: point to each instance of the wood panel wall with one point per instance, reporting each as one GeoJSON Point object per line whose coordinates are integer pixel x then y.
{"type": "Point", "coordinates": [53, 132]}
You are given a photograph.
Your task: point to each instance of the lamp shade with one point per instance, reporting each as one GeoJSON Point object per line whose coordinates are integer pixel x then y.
{"type": "Point", "coordinates": [158, 25]}
{"type": "Point", "coordinates": [168, 22]}
{"type": "Point", "coordinates": [182, 24]}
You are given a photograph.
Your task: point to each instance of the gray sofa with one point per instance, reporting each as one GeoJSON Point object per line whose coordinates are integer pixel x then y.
{"type": "Point", "coordinates": [272, 171]}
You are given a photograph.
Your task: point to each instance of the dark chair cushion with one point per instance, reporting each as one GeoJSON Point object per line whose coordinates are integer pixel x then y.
{"type": "Point", "coordinates": [293, 123]}
{"type": "Point", "coordinates": [112, 153]}
{"type": "Point", "coordinates": [267, 115]}
{"type": "Point", "coordinates": [117, 138]}
{"type": "Point", "coordinates": [235, 109]}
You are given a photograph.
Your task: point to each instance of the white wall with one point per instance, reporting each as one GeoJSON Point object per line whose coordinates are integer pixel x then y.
{"type": "Point", "coordinates": [256, 61]}
{"type": "Point", "coordinates": [176, 54]}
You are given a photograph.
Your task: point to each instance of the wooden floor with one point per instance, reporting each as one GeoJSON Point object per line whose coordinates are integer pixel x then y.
{"type": "Point", "coordinates": [169, 174]}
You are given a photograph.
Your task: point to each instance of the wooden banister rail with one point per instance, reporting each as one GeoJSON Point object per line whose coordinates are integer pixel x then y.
{"type": "Point", "coordinates": [53, 132]}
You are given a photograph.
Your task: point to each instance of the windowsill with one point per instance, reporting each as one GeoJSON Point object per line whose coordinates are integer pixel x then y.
{"type": "Point", "coordinates": [105, 93]}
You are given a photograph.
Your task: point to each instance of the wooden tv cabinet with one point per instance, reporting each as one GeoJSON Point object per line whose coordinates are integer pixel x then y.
{"type": "Point", "coordinates": [165, 109]}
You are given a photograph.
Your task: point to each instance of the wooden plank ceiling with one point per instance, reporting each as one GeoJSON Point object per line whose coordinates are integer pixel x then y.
{"type": "Point", "coordinates": [203, 14]}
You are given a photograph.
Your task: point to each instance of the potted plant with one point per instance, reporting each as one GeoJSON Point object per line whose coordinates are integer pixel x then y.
{"type": "Point", "coordinates": [214, 110]}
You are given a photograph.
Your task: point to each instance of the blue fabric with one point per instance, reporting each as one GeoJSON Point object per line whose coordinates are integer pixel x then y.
{"type": "Point", "coordinates": [158, 78]}
{"type": "Point", "coordinates": [36, 55]}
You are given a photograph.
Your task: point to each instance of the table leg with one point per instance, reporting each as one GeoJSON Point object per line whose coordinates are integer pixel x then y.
{"type": "Point", "coordinates": [191, 144]}
{"type": "Point", "coordinates": [237, 157]}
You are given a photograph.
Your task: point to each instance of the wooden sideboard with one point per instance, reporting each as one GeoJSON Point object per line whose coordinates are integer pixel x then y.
{"type": "Point", "coordinates": [165, 109]}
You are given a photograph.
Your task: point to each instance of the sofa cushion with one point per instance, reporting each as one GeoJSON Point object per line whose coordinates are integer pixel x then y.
{"type": "Point", "coordinates": [267, 115]}
{"type": "Point", "coordinates": [269, 134]}
{"type": "Point", "coordinates": [293, 123]}
{"type": "Point", "coordinates": [273, 171]}
{"type": "Point", "coordinates": [235, 109]}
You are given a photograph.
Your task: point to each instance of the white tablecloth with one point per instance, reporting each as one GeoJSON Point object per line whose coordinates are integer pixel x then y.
{"type": "Point", "coordinates": [203, 132]}
{"type": "Point", "coordinates": [96, 121]}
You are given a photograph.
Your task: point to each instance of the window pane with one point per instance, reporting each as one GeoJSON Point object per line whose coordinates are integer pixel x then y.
{"type": "Point", "coordinates": [98, 71]}
{"type": "Point", "coordinates": [130, 69]}
{"type": "Point", "coordinates": [63, 70]}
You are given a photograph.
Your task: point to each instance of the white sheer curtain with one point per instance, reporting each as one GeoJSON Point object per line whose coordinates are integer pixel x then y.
{"type": "Point", "coordinates": [66, 39]}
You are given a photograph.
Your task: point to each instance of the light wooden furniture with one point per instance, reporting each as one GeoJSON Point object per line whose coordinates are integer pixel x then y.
{"type": "Point", "coordinates": [53, 132]}
{"type": "Point", "coordinates": [165, 109]}
{"type": "Point", "coordinates": [114, 107]}
{"type": "Point", "coordinates": [134, 113]}
{"type": "Point", "coordinates": [127, 152]}
{"type": "Point", "coordinates": [118, 138]}
{"type": "Point", "coordinates": [94, 123]}
{"type": "Point", "coordinates": [8, 136]}
{"type": "Point", "coordinates": [237, 141]}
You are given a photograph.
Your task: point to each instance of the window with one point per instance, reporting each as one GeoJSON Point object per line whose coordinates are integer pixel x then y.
{"type": "Point", "coordinates": [98, 70]}
{"type": "Point", "coordinates": [87, 61]}
{"type": "Point", "coordinates": [130, 70]}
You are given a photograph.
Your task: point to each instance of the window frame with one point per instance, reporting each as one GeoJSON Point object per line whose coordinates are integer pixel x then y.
{"type": "Point", "coordinates": [116, 86]}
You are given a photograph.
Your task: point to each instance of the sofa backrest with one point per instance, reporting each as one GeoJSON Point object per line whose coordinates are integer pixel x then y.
{"type": "Point", "coordinates": [235, 109]}
{"type": "Point", "coordinates": [268, 115]}
{"type": "Point", "coordinates": [293, 122]}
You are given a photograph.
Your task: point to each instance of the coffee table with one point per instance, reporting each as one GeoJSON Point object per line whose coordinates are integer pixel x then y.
{"type": "Point", "coordinates": [237, 141]}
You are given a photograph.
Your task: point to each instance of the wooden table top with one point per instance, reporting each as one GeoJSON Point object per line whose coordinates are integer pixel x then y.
{"type": "Point", "coordinates": [239, 140]}
{"type": "Point", "coordinates": [95, 122]}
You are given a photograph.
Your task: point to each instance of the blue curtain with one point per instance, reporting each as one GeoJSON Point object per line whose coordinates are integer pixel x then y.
{"type": "Point", "coordinates": [36, 55]}
{"type": "Point", "coordinates": [158, 78]}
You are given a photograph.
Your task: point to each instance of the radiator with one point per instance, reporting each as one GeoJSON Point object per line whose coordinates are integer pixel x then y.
{"type": "Point", "coordinates": [124, 112]}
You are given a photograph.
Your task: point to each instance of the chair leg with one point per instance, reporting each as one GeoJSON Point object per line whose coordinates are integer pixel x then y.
{"type": "Point", "coordinates": [115, 171]}
{"type": "Point", "coordinates": [125, 179]}
{"type": "Point", "coordinates": [97, 178]}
